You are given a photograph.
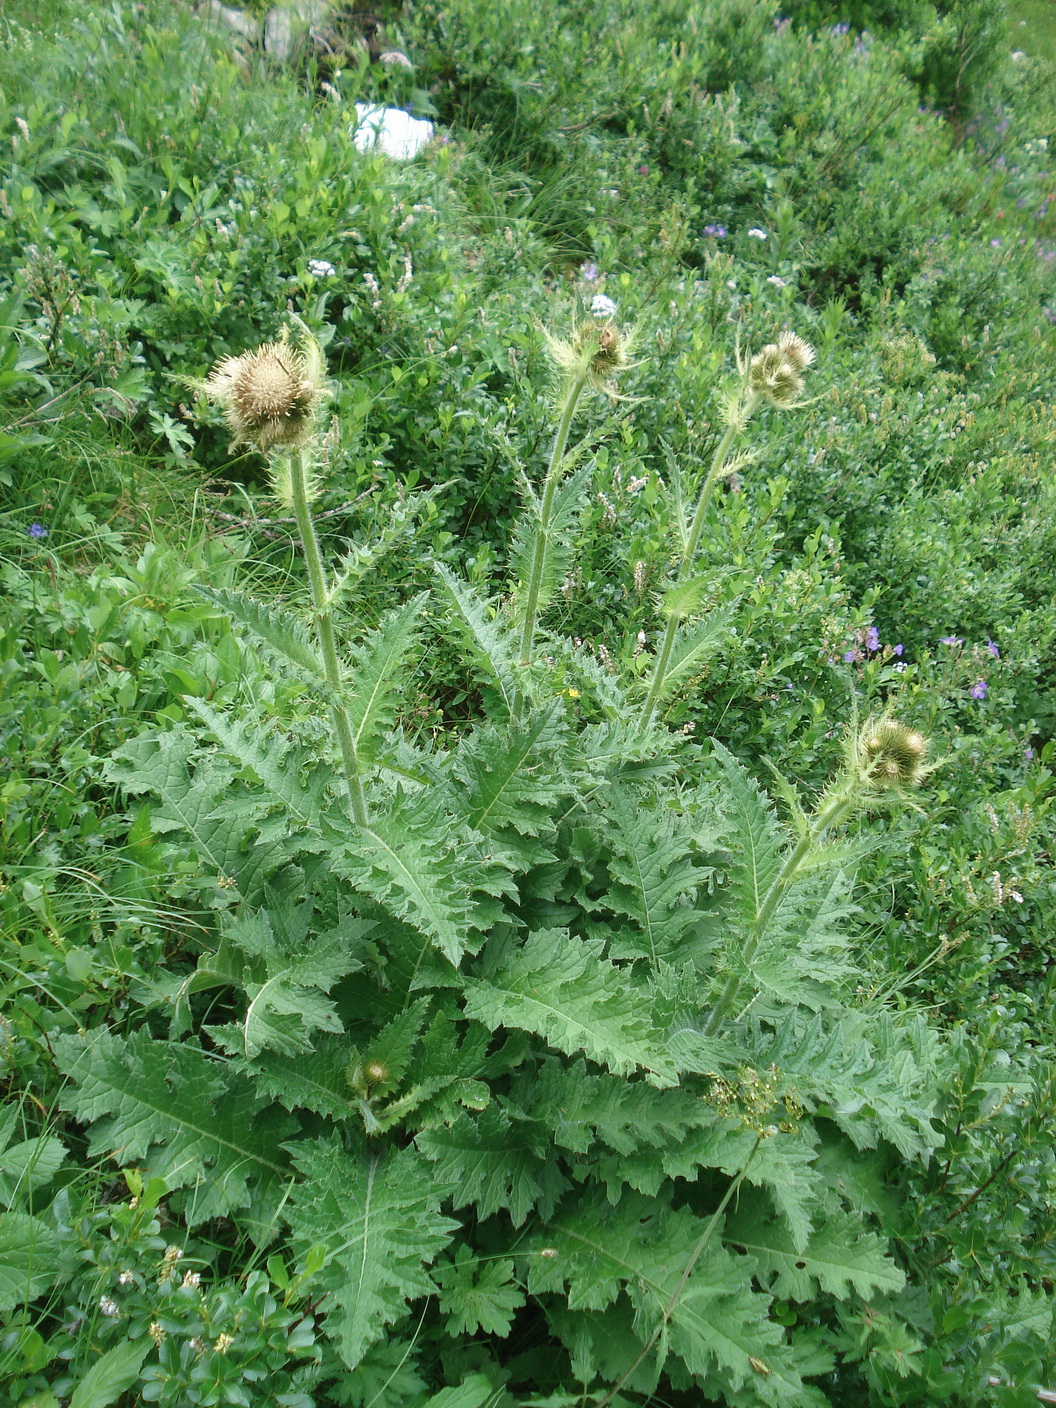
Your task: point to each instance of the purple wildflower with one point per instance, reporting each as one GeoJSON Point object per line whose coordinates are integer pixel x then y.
{"type": "Point", "coordinates": [850, 656]}
{"type": "Point", "coordinates": [37, 530]}
{"type": "Point", "coordinates": [995, 243]}
{"type": "Point", "coordinates": [978, 690]}
{"type": "Point", "coordinates": [951, 640]}
{"type": "Point", "coordinates": [715, 232]}
{"type": "Point", "coordinates": [642, 170]}
{"type": "Point", "coordinates": [992, 647]}
{"type": "Point", "coordinates": [839, 30]}
{"type": "Point", "coordinates": [872, 639]}
{"type": "Point", "coordinates": [897, 649]}
{"type": "Point", "coordinates": [1029, 754]}
{"type": "Point", "coordinates": [588, 271]}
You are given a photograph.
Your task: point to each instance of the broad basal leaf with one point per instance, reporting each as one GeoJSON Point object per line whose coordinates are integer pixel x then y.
{"type": "Point", "coordinates": [426, 871]}
{"type": "Point", "coordinates": [495, 1162]}
{"type": "Point", "coordinates": [193, 806]}
{"type": "Point", "coordinates": [510, 782]}
{"type": "Point", "coordinates": [840, 1256]}
{"type": "Point", "coordinates": [279, 765]}
{"type": "Point", "coordinates": [191, 1119]}
{"type": "Point", "coordinates": [286, 972]}
{"type": "Point", "coordinates": [716, 1324]}
{"type": "Point", "coordinates": [654, 878]}
{"type": "Point", "coordinates": [377, 1216]}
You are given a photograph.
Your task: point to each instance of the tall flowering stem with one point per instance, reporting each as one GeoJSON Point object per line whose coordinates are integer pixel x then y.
{"type": "Point", "coordinates": [324, 625]}
{"type": "Point", "coordinates": [574, 388]}
{"type": "Point", "coordinates": [884, 760]}
{"type": "Point", "coordinates": [775, 375]}
{"type": "Point", "coordinates": [738, 418]}
{"type": "Point", "coordinates": [592, 358]}
{"type": "Point", "coordinates": [270, 399]}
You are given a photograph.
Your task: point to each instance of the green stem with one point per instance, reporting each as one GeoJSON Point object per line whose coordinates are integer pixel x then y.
{"type": "Point", "coordinates": [718, 463]}
{"type": "Point", "coordinates": [843, 801]}
{"type": "Point", "coordinates": [324, 625]}
{"type": "Point", "coordinates": [687, 1271]}
{"type": "Point", "coordinates": [573, 391]}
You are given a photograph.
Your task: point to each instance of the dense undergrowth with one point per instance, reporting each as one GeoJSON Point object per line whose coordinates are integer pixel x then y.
{"type": "Point", "coordinates": [530, 1001]}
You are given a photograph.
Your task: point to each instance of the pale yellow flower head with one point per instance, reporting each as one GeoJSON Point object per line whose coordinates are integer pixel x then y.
{"type": "Point", "coordinates": [270, 397]}
{"type": "Point", "coordinates": [606, 345]}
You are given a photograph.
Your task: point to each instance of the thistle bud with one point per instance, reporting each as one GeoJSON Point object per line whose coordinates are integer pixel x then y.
{"type": "Point", "coordinates": [775, 372]}
{"type": "Point", "coordinates": [601, 340]}
{"type": "Point", "coordinates": [890, 755]}
{"type": "Point", "coordinates": [794, 350]}
{"type": "Point", "coordinates": [270, 397]}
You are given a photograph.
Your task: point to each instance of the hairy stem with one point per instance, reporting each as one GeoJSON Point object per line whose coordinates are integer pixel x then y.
{"type": "Point", "coordinates": [842, 801]}
{"type": "Point", "coordinates": [738, 419]}
{"type": "Point", "coordinates": [324, 625]}
{"type": "Point", "coordinates": [573, 391]}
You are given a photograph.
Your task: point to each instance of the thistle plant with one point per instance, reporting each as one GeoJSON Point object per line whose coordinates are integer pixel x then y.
{"type": "Point", "coordinates": [774, 375]}
{"type": "Point", "coordinates": [271, 399]}
{"type": "Point", "coordinates": [884, 760]}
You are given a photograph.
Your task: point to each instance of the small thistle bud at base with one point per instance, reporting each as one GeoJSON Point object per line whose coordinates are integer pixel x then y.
{"type": "Point", "coordinates": [376, 1072]}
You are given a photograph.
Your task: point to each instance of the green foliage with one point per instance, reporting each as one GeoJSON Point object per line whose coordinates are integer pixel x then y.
{"type": "Point", "coordinates": [439, 1109]}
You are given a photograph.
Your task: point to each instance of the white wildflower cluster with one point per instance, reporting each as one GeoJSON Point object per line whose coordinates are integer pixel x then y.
{"type": "Point", "coordinates": [602, 307]}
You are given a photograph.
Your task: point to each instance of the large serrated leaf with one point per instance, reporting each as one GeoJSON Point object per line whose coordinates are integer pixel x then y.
{"type": "Point", "coordinates": [194, 798]}
{"type": "Point", "coordinates": [377, 1216]}
{"type": "Point", "coordinates": [282, 632]}
{"type": "Point", "coordinates": [191, 1119]}
{"type": "Point", "coordinates": [839, 1257]}
{"type": "Point", "coordinates": [377, 673]}
{"type": "Point", "coordinates": [564, 989]}
{"type": "Point", "coordinates": [755, 838]}
{"type": "Point", "coordinates": [276, 763]}
{"type": "Point", "coordinates": [427, 872]}
{"type": "Point", "coordinates": [508, 781]}
{"type": "Point", "coordinates": [493, 648]}
{"type": "Point", "coordinates": [653, 877]}
{"type": "Point", "coordinates": [716, 1324]}
{"type": "Point", "coordinates": [495, 1163]}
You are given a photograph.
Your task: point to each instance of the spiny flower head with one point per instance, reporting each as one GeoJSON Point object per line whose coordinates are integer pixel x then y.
{"type": "Point", "coordinates": [270, 396]}
{"type": "Point", "coordinates": [890, 755]}
{"type": "Point", "coordinates": [605, 345]}
{"type": "Point", "coordinates": [799, 353]}
{"type": "Point", "coordinates": [776, 372]}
